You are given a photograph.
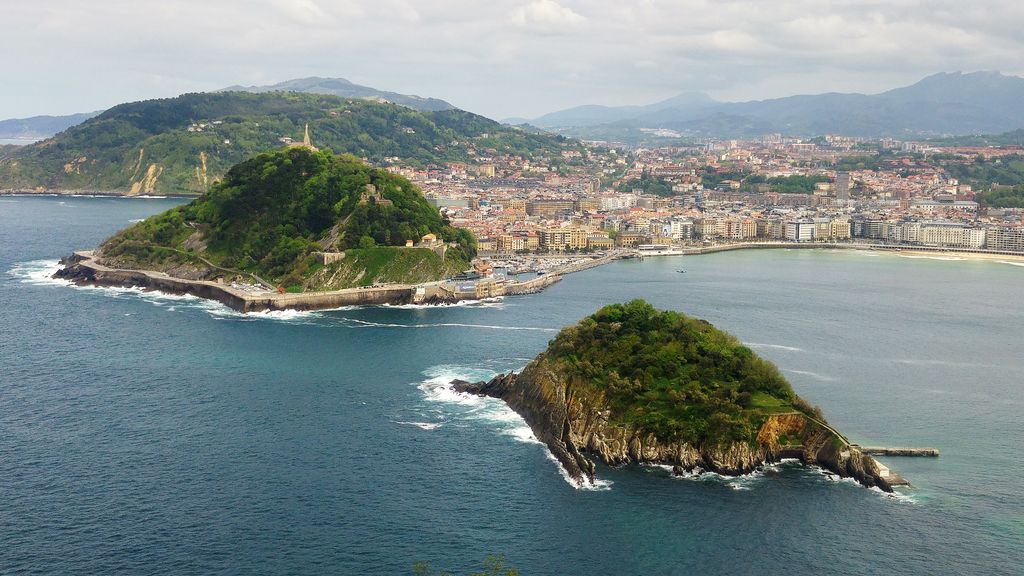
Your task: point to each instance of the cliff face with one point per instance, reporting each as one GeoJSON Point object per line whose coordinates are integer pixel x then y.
{"type": "Point", "coordinates": [573, 421]}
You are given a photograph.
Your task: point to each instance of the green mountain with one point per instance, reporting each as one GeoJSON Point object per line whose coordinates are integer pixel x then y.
{"type": "Point", "coordinates": [634, 385]}
{"type": "Point", "coordinates": [270, 214]}
{"type": "Point", "coordinates": [183, 145]}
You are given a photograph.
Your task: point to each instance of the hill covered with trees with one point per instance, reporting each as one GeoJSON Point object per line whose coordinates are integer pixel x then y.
{"type": "Point", "coordinates": [271, 213]}
{"type": "Point", "coordinates": [183, 145]}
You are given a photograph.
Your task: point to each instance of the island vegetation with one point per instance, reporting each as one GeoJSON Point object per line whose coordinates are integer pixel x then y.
{"type": "Point", "coordinates": [272, 213]}
{"type": "Point", "coordinates": [673, 376]}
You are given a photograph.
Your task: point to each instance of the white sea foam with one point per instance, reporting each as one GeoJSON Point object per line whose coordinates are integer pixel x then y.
{"type": "Point", "coordinates": [482, 303]}
{"type": "Point", "coordinates": [924, 257]}
{"type": "Point", "coordinates": [369, 324]}
{"type": "Point", "coordinates": [773, 346]}
{"type": "Point", "coordinates": [894, 496]}
{"type": "Point", "coordinates": [422, 425]}
{"type": "Point", "coordinates": [40, 273]}
{"type": "Point", "coordinates": [833, 477]}
{"type": "Point", "coordinates": [136, 220]}
{"type": "Point", "coordinates": [742, 482]}
{"type": "Point", "coordinates": [597, 485]}
{"type": "Point", "coordinates": [814, 375]}
{"type": "Point", "coordinates": [522, 434]}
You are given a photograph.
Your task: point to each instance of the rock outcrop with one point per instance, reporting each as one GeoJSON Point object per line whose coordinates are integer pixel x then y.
{"type": "Point", "coordinates": [573, 421]}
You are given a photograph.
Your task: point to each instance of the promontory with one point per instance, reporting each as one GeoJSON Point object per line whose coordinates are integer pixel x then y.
{"type": "Point", "coordinates": [634, 385]}
{"type": "Point", "coordinates": [282, 227]}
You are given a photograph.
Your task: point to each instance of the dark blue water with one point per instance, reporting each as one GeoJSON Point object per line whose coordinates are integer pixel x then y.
{"type": "Point", "coordinates": [145, 434]}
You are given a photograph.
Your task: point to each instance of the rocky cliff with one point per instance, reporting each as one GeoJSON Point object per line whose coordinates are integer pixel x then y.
{"type": "Point", "coordinates": [574, 422]}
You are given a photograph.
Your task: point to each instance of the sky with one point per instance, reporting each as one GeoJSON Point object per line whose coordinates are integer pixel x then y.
{"type": "Point", "coordinates": [500, 58]}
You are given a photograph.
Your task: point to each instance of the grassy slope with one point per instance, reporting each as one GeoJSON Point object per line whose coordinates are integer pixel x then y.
{"type": "Point", "coordinates": [384, 265]}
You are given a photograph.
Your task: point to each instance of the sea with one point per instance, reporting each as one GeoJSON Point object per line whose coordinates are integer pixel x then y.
{"type": "Point", "coordinates": [146, 433]}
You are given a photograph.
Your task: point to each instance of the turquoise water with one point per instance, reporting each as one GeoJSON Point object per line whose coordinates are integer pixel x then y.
{"type": "Point", "coordinates": [157, 434]}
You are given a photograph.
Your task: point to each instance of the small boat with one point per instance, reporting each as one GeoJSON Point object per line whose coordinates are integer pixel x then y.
{"type": "Point", "coordinates": [681, 271]}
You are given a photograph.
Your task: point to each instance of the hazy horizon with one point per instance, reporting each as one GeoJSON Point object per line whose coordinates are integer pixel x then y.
{"type": "Point", "coordinates": [520, 58]}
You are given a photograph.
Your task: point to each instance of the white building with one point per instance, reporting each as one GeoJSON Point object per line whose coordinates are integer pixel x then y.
{"type": "Point", "coordinates": [798, 231]}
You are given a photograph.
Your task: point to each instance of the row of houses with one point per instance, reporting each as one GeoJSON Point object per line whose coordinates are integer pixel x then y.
{"type": "Point", "coordinates": [922, 233]}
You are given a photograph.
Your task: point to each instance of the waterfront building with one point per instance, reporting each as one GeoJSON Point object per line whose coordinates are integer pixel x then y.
{"type": "Point", "coordinates": [839, 229]}
{"type": "Point", "coordinates": [799, 230]}
{"type": "Point", "coordinates": [952, 234]}
{"type": "Point", "coordinates": [1005, 239]}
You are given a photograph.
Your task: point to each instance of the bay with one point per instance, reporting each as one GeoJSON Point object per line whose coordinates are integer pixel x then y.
{"type": "Point", "coordinates": [145, 433]}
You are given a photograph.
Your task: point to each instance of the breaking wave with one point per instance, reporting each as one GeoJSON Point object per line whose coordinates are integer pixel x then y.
{"type": "Point", "coordinates": [774, 346]}
{"type": "Point", "coordinates": [814, 375]}
{"type": "Point", "coordinates": [369, 324]}
{"type": "Point", "coordinates": [40, 273]}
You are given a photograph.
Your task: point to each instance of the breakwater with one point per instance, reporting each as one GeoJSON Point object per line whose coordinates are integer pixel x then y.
{"type": "Point", "coordinates": [885, 451]}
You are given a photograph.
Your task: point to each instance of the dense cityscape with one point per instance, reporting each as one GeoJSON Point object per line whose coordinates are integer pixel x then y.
{"type": "Point", "coordinates": [830, 189]}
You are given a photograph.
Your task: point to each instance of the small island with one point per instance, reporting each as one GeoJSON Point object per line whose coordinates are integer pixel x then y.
{"type": "Point", "coordinates": [295, 228]}
{"type": "Point", "coordinates": [634, 385]}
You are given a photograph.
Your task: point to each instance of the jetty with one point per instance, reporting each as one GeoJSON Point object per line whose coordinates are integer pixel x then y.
{"type": "Point", "coordinates": [885, 451]}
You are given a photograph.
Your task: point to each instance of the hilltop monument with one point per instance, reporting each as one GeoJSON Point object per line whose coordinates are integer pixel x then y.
{"type": "Point", "coordinates": [306, 142]}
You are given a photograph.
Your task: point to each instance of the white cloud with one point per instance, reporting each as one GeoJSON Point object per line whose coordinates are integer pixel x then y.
{"type": "Point", "coordinates": [306, 12]}
{"type": "Point", "coordinates": [546, 16]}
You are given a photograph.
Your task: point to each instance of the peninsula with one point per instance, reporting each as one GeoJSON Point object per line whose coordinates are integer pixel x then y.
{"type": "Point", "coordinates": [634, 385]}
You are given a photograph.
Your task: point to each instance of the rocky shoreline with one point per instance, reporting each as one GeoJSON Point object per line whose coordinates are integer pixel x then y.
{"type": "Point", "coordinates": [576, 430]}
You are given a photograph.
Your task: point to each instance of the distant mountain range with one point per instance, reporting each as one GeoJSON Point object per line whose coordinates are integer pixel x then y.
{"type": "Point", "coordinates": [346, 89]}
{"type": "Point", "coordinates": [39, 127]}
{"type": "Point", "coordinates": [941, 104]}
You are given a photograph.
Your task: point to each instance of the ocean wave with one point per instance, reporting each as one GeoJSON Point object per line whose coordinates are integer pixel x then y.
{"type": "Point", "coordinates": [40, 273]}
{"type": "Point", "coordinates": [491, 412]}
{"type": "Point", "coordinates": [422, 425]}
{"type": "Point", "coordinates": [369, 324]}
{"type": "Point", "coordinates": [894, 496]}
{"type": "Point", "coordinates": [1021, 264]}
{"type": "Point", "coordinates": [774, 346]}
{"type": "Point", "coordinates": [597, 485]}
{"type": "Point", "coordinates": [829, 476]}
{"type": "Point", "coordinates": [482, 303]}
{"type": "Point", "coordinates": [743, 482]}
{"type": "Point", "coordinates": [814, 375]}
{"type": "Point", "coordinates": [924, 257]}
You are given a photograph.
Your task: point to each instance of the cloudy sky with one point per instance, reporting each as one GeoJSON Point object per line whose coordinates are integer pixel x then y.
{"type": "Point", "coordinates": [500, 58]}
